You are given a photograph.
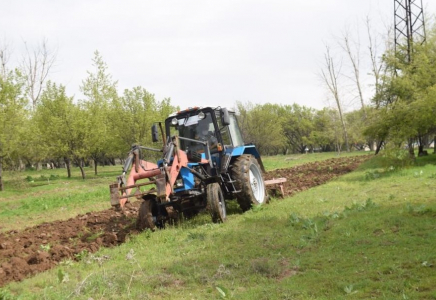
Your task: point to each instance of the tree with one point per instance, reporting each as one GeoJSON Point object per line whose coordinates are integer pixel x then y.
{"type": "Point", "coordinates": [100, 92]}
{"type": "Point", "coordinates": [352, 49]}
{"type": "Point", "coordinates": [356, 121]}
{"type": "Point", "coordinates": [262, 126]}
{"type": "Point", "coordinates": [407, 96]}
{"type": "Point", "coordinates": [330, 75]}
{"type": "Point", "coordinates": [37, 66]}
{"type": "Point", "coordinates": [61, 125]}
{"type": "Point", "coordinates": [298, 124]}
{"type": "Point", "coordinates": [132, 115]}
{"type": "Point", "coordinates": [12, 114]}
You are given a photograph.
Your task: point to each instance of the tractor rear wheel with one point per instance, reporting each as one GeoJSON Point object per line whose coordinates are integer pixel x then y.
{"type": "Point", "coordinates": [216, 204]}
{"type": "Point", "coordinates": [249, 180]}
{"type": "Point", "coordinates": [145, 215]}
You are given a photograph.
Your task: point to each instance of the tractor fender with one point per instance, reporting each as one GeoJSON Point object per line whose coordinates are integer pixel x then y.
{"type": "Point", "coordinates": [246, 149]}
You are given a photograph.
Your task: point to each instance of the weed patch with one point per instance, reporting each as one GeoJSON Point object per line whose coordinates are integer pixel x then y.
{"type": "Point", "coordinates": [420, 210]}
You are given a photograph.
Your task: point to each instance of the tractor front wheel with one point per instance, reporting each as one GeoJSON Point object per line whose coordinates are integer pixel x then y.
{"type": "Point", "coordinates": [145, 215]}
{"type": "Point", "coordinates": [248, 176]}
{"type": "Point", "coordinates": [216, 203]}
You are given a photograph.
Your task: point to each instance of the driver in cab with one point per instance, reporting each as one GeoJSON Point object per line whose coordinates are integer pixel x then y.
{"type": "Point", "coordinates": [205, 135]}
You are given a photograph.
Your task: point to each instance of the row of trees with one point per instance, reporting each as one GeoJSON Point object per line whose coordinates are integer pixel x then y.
{"type": "Point", "coordinates": [55, 128]}
{"type": "Point", "coordinates": [280, 129]}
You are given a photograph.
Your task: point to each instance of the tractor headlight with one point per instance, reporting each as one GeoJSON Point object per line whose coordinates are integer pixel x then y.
{"type": "Point", "coordinates": [201, 115]}
{"type": "Point", "coordinates": [174, 121]}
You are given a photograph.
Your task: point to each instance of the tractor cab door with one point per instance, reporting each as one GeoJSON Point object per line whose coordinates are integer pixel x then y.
{"type": "Point", "coordinates": [231, 134]}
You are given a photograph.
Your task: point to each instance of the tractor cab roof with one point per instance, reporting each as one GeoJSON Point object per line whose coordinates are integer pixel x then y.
{"type": "Point", "coordinates": [191, 110]}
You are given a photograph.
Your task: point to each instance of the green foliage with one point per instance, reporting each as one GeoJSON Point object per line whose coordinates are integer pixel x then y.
{"type": "Point", "coordinates": [394, 158]}
{"type": "Point", "coordinates": [292, 128]}
{"type": "Point", "coordinates": [100, 127]}
{"type": "Point", "coordinates": [60, 124]}
{"type": "Point", "coordinates": [12, 115]}
{"type": "Point", "coordinates": [133, 115]}
{"type": "Point", "coordinates": [326, 130]}
{"type": "Point", "coordinates": [298, 123]}
{"type": "Point", "coordinates": [406, 98]}
{"type": "Point", "coordinates": [356, 121]}
{"type": "Point", "coordinates": [63, 276]}
{"type": "Point", "coordinates": [5, 294]}
{"type": "Point", "coordinates": [372, 174]}
{"type": "Point", "coordinates": [81, 255]}
{"type": "Point", "coordinates": [100, 92]}
{"type": "Point", "coordinates": [420, 210]}
{"type": "Point", "coordinates": [262, 126]}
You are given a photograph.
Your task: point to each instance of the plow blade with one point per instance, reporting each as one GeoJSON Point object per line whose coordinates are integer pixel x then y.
{"type": "Point", "coordinates": [114, 190]}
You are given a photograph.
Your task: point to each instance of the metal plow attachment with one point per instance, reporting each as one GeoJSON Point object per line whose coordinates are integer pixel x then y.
{"type": "Point", "coordinates": [118, 192]}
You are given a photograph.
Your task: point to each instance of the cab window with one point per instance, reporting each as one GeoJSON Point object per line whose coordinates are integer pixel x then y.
{"type": "Point", "coordinates": [235, 132]}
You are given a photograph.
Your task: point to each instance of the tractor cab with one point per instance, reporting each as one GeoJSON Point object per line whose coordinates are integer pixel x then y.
{"type": "Point", "coordinates": [204, 133]}
{"type": "Point", "coordinates": [195, 126]}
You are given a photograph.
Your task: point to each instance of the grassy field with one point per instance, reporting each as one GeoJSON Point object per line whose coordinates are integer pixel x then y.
{"type": "Point", "coordinates": [33, 197]}
{"type": "Point", "coordinates": [366, 235]}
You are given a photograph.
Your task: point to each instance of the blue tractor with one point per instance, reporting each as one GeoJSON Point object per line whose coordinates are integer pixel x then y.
{"type": "Point", "coordinates": [204, 162]}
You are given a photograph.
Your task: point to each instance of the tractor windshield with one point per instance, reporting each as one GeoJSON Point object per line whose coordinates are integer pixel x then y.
{"type": "Point", "coordinates": [195, 128]}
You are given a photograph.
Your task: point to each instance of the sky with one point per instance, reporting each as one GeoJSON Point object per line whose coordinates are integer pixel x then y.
{"type": "Point", "coordinates": [199, 52]}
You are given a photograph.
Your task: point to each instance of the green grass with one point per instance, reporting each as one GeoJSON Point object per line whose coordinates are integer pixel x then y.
{"type": "Point", "coordinates": [33, 197]}
{"type": "Point", "coordinates": [366, 235]}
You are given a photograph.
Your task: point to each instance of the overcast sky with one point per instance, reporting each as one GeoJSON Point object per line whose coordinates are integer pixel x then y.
{"type": "Point", "coordinates": [196, 52]}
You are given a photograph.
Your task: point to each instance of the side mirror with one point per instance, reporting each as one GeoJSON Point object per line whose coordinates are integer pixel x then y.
{"type": "Point", "coordinates": [225, 118]}
{"type": "Point", "coordinates": [154, 133]}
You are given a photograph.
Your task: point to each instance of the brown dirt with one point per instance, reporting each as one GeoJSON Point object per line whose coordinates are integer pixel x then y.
{"type": "Point", "coordinates": [303, 177]}
{"type": "Point", "coordinates": [36, 249]}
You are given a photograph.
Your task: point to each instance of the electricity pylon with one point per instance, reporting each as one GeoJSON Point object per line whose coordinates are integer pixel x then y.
{"type": "Point", "coordinates": [409, 24]}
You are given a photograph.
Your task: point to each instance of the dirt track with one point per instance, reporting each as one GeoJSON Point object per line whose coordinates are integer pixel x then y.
{"type": "Point", "coordinates": [36, 249]}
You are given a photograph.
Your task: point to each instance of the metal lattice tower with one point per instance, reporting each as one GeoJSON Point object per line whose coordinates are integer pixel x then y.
{"type": "Point", "coordinates": [409, 24]}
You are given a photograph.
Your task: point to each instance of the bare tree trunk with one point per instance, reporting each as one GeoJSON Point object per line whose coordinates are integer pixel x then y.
{"type": "Point", "coordinates": [68, 165]}
{"type": "Point", "coordinates": [1, 172]}
{"type": "Point", "coordinates": [377, 150]}
{"type": "Point", "coordinates": [422, 141]}
{"type": "Point", "coordinates": [355, 62]}
{"type": "Point", "coordinates": [82, 171]}
{"type": "Point", "coordinates": [411, 149]}
{"type": "Point", "coordinates": [95, 166]}
{"type": "Point", "coordinates": [331, 80]}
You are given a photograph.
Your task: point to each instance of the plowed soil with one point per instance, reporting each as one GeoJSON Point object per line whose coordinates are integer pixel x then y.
{"type": "Point", "coordinates": [36, 249]}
